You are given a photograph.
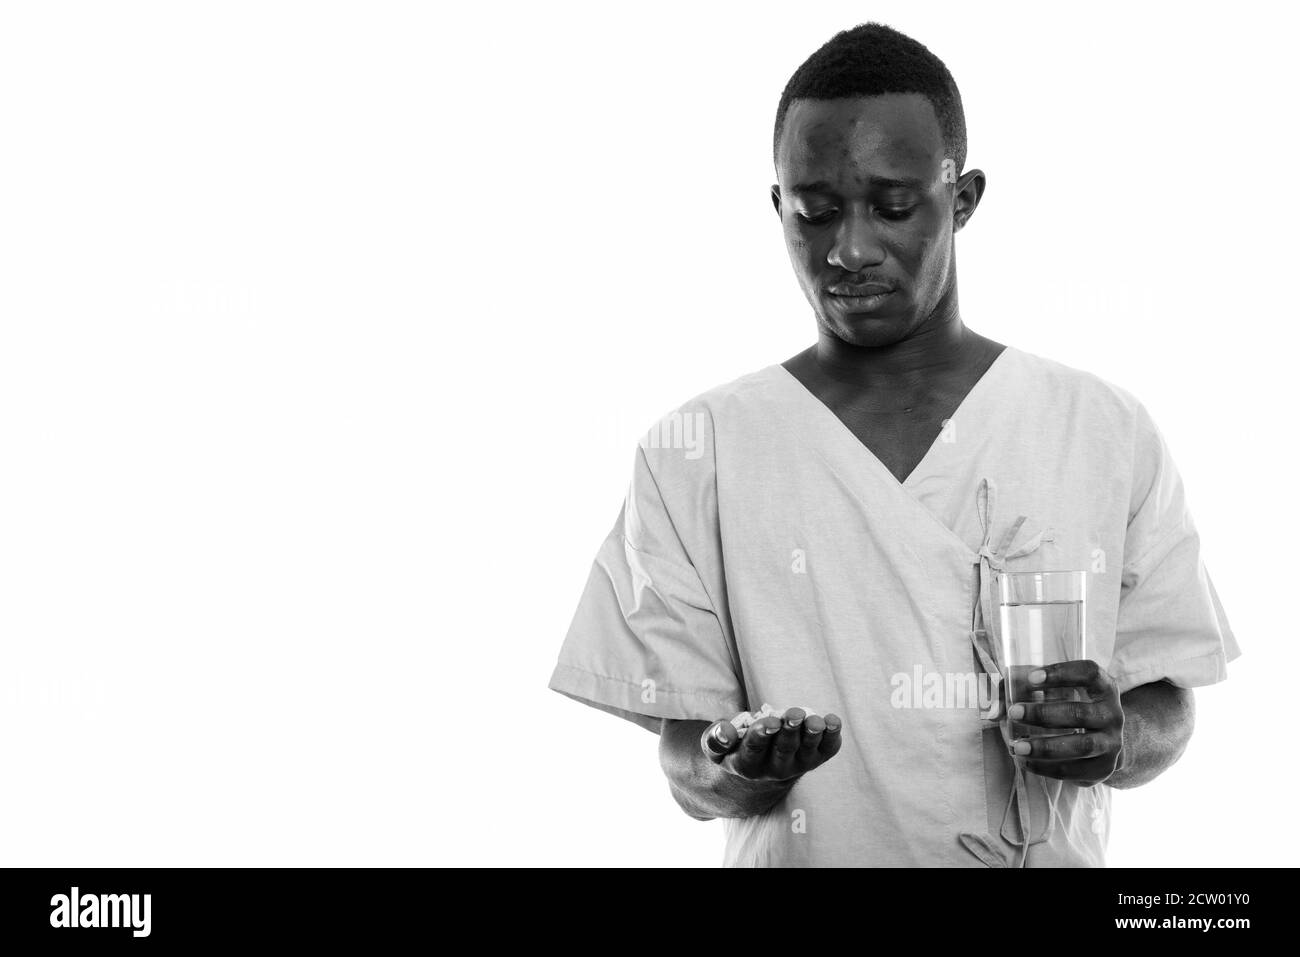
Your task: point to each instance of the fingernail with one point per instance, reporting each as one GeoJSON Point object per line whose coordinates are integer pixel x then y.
{"type": "Point", "coordinates": [1016, 711]}
{"type": "Point", "coordinates": [768, 729]}
{"type": "Point", "coordinates": [1037, 677]}
{"type": "Point", "coordinates": [793, 722]}
{"type": "Point", "coordinates": [1021, 747]}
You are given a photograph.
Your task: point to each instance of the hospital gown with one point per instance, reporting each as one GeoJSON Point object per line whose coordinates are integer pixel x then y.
{"type": "Point", "coordinates": [764, 555]}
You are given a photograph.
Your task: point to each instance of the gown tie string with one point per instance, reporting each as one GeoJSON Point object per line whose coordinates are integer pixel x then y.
{"type": "Point", "coordinates": [992, 559]}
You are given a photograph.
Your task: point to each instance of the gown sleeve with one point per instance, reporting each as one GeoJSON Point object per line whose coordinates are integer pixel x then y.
{"type": "Point", "coordinates": [1170, 624]}
{"type": "Point", "coordinates": [646, 641]}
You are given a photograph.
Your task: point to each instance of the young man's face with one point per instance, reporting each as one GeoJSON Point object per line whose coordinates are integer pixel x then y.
{"type": "Point", "coordinates": [867, 205]}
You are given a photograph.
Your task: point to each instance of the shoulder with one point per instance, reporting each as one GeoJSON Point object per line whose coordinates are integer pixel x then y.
{"type": "Point", "coordinates": [1080, 384]}
{"type": "Point", "coordinates": [1084, 395]}
{"type": "Point", "coordinates": [1113, 422]}
{"type": "Point", "coordinates": [753, 388]}
{"type": "Point", "coordinates": [679, 449]}
{"type": "Point", "coordinates": [701, 416]}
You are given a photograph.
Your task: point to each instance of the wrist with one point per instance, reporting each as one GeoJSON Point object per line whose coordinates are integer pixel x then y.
{"type": "Point", "coordinates": [752, 795]}
{"type": "Point", "coordinates": [1123, 758]}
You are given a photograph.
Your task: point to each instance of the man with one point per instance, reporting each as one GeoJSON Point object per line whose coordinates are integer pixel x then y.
{"type": "Point", "coordinates": [825, 534]}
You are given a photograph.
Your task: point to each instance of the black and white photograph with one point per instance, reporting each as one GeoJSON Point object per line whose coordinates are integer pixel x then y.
{"type": "Point", "coordinates": [575, 435]}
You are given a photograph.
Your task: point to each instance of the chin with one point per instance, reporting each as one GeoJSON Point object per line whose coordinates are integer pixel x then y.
{"type": "Point", "coordinates": [874, 338]}
{"type": "Point", "coordinates": [868, 330]}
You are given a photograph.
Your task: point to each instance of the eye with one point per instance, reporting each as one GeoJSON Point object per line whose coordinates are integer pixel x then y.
{"type": "Point", "coordinates": [817, 219]}
{"type": "Point", "coordinates": [895, 215]}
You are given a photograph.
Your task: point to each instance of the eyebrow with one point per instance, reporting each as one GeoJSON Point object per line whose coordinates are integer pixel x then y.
{"type": "Point", "coordinates": [882, 182]}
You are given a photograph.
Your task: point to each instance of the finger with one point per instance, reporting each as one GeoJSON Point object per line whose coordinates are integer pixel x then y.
{"type": "Point", "coordinates": [750, 759]}
{"type": "Point", "coordinates": [830, 743]}
{"type": "Point", "coordinates": [1082, 673]}
{"type": "Point", "coordinates": [1062, 714]}
{"type": "Point", "coordinates": [718, 740]}
{"type": "Point", "coordinates": [785, 746]}
{"type": "Point", "coordinates": [813, 729]}
{"type": "Point", "coordinates": [1065, 747]}
{"type": "Point", "coordinates": [741, 722]}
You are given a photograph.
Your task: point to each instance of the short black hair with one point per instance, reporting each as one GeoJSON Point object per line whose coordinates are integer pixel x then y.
{"type": "Point", "coordinates": [871, 59]}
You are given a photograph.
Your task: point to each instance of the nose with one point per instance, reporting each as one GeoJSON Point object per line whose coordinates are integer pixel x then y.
{"type": "Point", "coordinates": [856, 245]}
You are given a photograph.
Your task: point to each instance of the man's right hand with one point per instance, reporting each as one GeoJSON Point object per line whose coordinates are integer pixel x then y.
{"type": "Point", "coordinates": [773, 749]}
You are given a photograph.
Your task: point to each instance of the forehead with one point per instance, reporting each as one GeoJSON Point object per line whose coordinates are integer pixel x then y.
{"type": "Point", "coordinates": [850, 139]}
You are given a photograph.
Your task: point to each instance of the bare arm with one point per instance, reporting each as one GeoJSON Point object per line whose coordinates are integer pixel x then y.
{"type": "Point", "coordinates": [1158, 722]}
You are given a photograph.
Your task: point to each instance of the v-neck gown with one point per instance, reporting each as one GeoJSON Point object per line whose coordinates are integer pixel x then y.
{"type": "Point", "coordinates": [764, 555]}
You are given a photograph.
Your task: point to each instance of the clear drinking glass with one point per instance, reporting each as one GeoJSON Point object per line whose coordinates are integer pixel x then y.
{"type": "Point", "coordinates": [1043, 622]}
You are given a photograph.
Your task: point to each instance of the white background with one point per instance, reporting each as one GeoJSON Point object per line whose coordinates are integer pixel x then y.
{"type": "Point", "coordinates": [327, 332]}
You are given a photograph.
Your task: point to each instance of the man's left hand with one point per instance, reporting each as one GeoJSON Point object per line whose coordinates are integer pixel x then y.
{"type": "Point", "coordinates": [1093, 752]}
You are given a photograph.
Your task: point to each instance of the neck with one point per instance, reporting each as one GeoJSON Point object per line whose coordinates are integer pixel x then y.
{"type": "Point", "coordinates": [941, 343]}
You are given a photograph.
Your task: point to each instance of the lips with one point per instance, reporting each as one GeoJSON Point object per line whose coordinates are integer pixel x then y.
{"type": "Point", "coordinates": [858, 298]}
{"type": "Point", "coordinates": [860, 290]}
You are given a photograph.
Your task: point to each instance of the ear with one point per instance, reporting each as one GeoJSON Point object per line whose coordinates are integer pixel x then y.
{"type": "Point", "coordinates": [966, 196]}
{"type": "Point", "coordinates": [776, 198]}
